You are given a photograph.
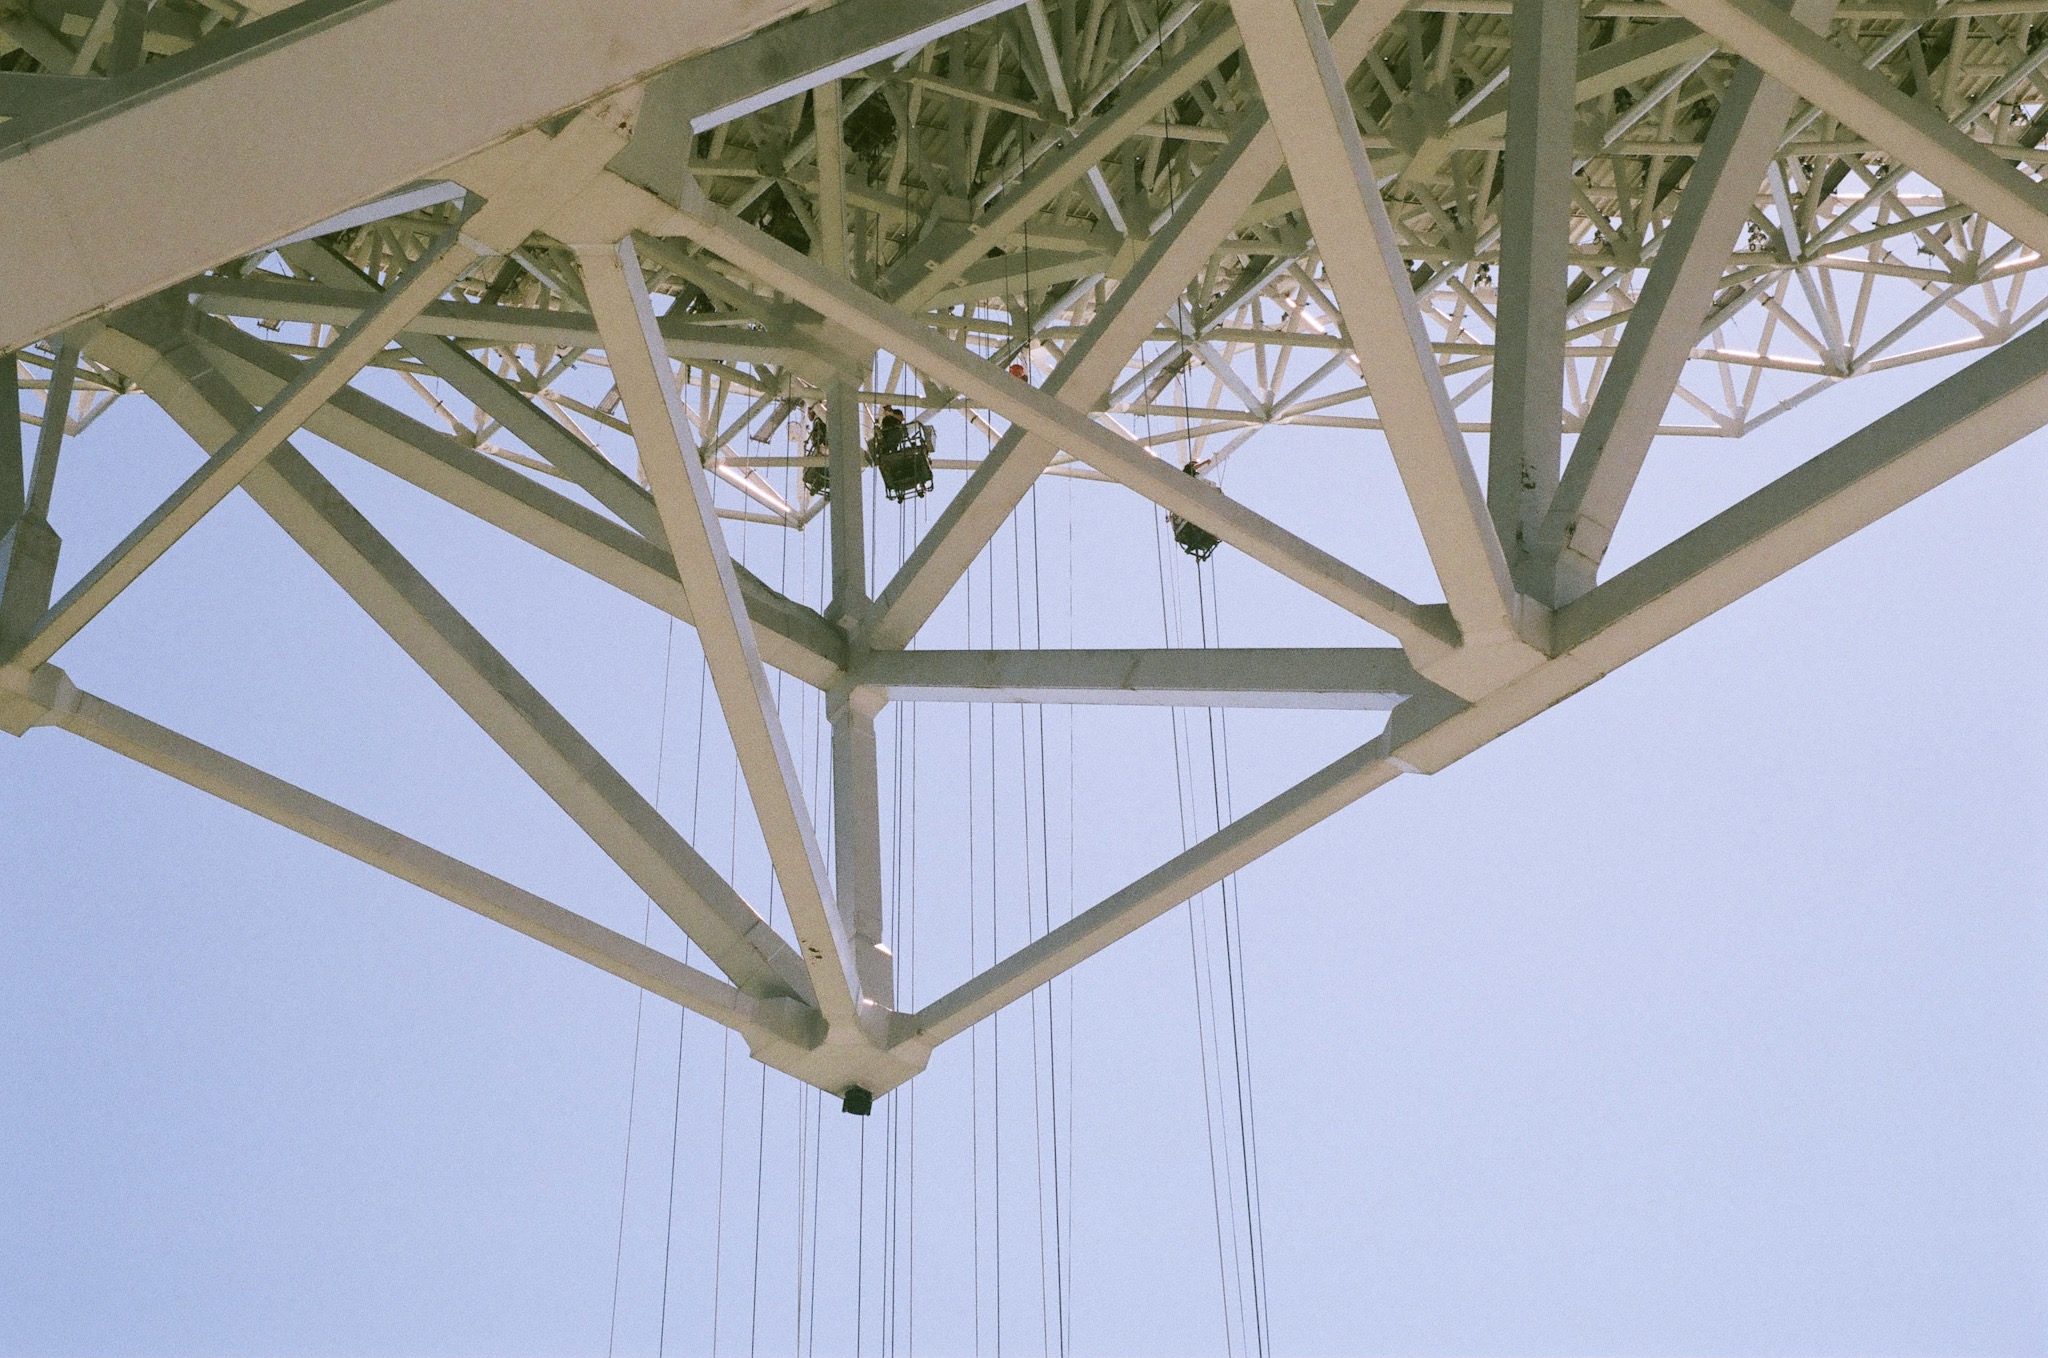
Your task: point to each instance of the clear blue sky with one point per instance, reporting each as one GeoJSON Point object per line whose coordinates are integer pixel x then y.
{"type": "Point", "coordinates": [1703, 1015]}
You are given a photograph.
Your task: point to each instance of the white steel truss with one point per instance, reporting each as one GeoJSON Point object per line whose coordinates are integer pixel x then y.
{"type": "Point", "coordinates": [1571, 227]}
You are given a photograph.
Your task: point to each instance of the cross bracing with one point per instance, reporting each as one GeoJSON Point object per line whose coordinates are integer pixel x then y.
{"type": "Point", "coordinates": [684, 271]}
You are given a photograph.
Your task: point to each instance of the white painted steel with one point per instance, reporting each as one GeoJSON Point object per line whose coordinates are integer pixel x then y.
{"type": "Point", "coordinates": [1525, 444]}
{"type": "Point", "coordinates": [1573, 228]}
{"type": "Point", "coordinates": [1334, 679]}
{"type": "Point", "coordinates": [363, 93]}
{"type": "Point", "coordinates": [682, 492]}
{"type": "Point", "coordinates": [1312, 111]}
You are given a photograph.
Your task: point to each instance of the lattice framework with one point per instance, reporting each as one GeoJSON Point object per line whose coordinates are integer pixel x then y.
{"type": "Point", "coordinates": [601, 310]}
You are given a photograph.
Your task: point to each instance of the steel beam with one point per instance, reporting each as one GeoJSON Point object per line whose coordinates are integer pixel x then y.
{"type": "Point", "coordinates": [369, 95]}
{"type": "Point", "coordinates": [515, 715]}
{"type": "Point", "coordinates": [804, 53]}
{"type": "Point", "coordinates": [1646, 52]}
{"type": "Point", "coordinates": [848, 512]}
{"type": "Point", "coordinates": [856, 787]}
{"type": "Point", "coordinates": [857, 842]}
{"type": "Point", "coordinates": [268, 297]}
{"type": "Point", "coordinates": [946, 257]}
{"type": "Point", "coordinates": [52, 52]}
{"type": "Point", "coordinates": [1207, 213]}
{"type": "Point", "coordinates": [569, 454]}
{"type": "Point", "coordinates": [1509, 657]}
{"type": "Point", "coordinates": [1525, 447]}
{"type": "Point", "coordinates": [411, 198]}
{"type": "Point", "coordinates": [56, 419]}
{"type": "Point", "coordinates": [1959, 422]}
{"type": "Point", "coordinates": [28, 572]}
{"type": "Point", "coordinates": [549, 174]}
{"type": "Point", "coordinates": [827, 120]}
{"type": "Point", "coordinates": [1952, 426]}
{"type": "Point", "coordinates": [13, 474]}
{"type": "Point", "coordinates": [1328, 679]}
{"type": "Point", "coordinates": [682, 492]}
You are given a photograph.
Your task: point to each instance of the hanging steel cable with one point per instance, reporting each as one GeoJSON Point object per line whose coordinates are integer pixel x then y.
{"type": "Point", "coordinates": [1222, 1199]}
{"type": "Point", "coordinates": [900, 1290]}
{"type": "Point", "coordinates": [682, 1030]}
{"type": "Point", "coordinates": [1015, 860]}
{"type": "Point", "coordinates": [761, 1103]}
{"type": "Point", "coordinates": [860, 1248]}
{"type": "Point", "coordinates": [1015, 846]}
{"type": "Point", "coordinates": [995, 942]}
{"type": "Point", "coordinates": [808, 1321]}
{"type": "Point", "coordinates": [725, 1070]}
{"type": "Point", "coordinates": [974, 964]}
{"type": "Point", "coordinates": [1225, 1237]}
{"type": "Point", "coordinates": [1066, 983]}
{"type": "Point", "coordinates": [640, 1007]}
{"type": "Point", "coordinates": [1208, 611]}
{"type": "Point", "coordinates": [1043, 925]}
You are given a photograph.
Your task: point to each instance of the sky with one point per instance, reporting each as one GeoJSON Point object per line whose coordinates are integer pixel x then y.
{"type": "Point", "coordinates": [1702, 1015]}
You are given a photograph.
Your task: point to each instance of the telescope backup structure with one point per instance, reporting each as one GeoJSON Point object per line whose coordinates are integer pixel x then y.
{"type": "Point", "coordinates": [573, 267]}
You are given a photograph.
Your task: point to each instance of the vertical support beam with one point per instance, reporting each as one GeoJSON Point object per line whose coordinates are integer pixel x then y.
{"type": "Point", "coordinates": [848, 511]}
{"type": "Point", "coordinates": [857, 840]}
{"type": "Point", "coordinates": [28, 570]}
{"type": "Point", "coordinates": [13, 477]}
{"type": "Point", "coordinates": [1526, 448]}
{"type": "Point", "coordinates": [640, 364]}
{"type": "Point", "coordinates": [29, 546]}
{"type": "Point", "coordinates": [50, 438]}
{"type": "Point", "coordinates": [825, 116]}
{"type": "Point", "coordinates": [1664, 325]}
{"type": "Point", "coordinates": [856, 774]}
